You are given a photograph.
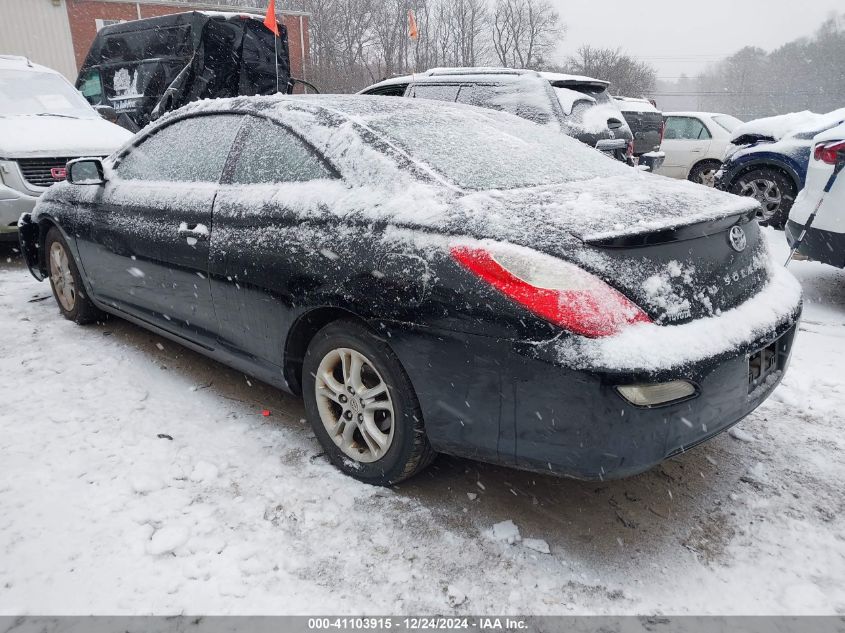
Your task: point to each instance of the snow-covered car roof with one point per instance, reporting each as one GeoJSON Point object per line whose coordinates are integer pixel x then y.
{"type": "Point", "coordinates": [574, 79]}
{"type": "Point", "coordinates": [486, 72]}
{"type": "Point", "coordinates": [515, 179]}
{"type": "Point", "coordinates": [791, 125]}
{"type": "Point", "coordinates": [635, 104]}
{"type": "Point", "coordinates": [17, 62]}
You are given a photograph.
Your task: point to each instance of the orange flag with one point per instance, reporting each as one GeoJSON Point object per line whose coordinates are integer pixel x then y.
{"type": "Point", "coordinates": [413, 31]}
{"type": "Point", "coordinates": [270, 21]}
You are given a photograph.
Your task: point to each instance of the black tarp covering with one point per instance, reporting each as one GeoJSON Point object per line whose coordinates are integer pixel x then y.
{"type": "Point", "coordinates": [145, 68]}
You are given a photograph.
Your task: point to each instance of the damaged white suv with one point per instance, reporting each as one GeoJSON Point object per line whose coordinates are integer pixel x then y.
{"type": "Point", "coordinates": [44, 123]}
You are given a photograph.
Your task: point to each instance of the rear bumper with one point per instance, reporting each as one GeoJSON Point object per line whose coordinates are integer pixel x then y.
{"type": "Point", "coordinates": [595, 433]}
{"type": "Point", "coordinates": [822, 246]}
{"type": "Point", "coordinates": [514, 403]}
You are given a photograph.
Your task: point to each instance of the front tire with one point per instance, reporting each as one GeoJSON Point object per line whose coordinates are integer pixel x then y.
{"type": "Point", "coordinates": [772, 189]}
{"type": "Point", "coordinates": [362, 407]}
{"type": "Point", "coordinates": [66, 282]}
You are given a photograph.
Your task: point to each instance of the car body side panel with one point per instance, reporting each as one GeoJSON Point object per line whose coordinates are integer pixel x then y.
{"type": "Point", "coordinates": [136, 260]}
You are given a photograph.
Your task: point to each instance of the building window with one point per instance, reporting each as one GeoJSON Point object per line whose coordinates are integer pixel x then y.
{"type": "Point", "coordinates": [101, 23]}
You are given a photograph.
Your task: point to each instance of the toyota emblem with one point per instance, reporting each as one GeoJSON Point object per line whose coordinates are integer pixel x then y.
{"type": "Point", "coordinates": [737, 239]}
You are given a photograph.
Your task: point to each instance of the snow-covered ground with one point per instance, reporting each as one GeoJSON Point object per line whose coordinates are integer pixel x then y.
{"type": "Point", "coordinates": [102, 512]}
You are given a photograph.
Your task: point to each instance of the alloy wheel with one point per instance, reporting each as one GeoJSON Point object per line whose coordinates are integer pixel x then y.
{"type": "Point", "coordinates": [355, 405]}
{"type": "Point", "coordinates": [766, 192]}
{"type": "Point", "coordinates": [62, 277]}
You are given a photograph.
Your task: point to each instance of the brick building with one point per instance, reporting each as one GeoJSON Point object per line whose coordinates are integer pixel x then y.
{"type": "Point", "coordinates": [70, 26]}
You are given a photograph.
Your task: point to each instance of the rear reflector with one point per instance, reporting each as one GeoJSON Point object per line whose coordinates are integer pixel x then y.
{"type": "Point", "coordinates": [555, 290]}
{"type": "Point", "coordinates": [652, 395]}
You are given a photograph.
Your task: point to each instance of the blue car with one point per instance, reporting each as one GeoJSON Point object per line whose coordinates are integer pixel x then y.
{"type": "Point", "coordinates": [768, 158]}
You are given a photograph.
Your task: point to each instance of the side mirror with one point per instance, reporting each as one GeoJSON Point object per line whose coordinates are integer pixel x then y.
{"type": "Point", "coordinates": [86, 171]}
{"type": "Point", "coordinates": [614, 124]}
{"type": "Point", "coordinates": [107, 112]}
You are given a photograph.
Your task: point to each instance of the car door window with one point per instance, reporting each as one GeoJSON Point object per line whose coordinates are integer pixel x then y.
{"type": "Point", "coordinates": [683, 128]}
{"type": "Point", "coordinates": [271, 153]}
{"type": "Point", "coordinates": [190, 150]}
{"type": "Point", "coordinates": [524, 101]}
{"type": "Point", "coordinates": [436, 92]}
{"type": "Point", "coordinates": [91, 87]}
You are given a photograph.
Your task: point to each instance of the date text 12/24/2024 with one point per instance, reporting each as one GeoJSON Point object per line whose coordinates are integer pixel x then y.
{"type": "Point", "coordinates": [417, 624]}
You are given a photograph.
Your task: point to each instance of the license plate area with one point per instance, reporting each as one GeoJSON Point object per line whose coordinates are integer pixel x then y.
{"type": "Point", "coordinates": [764, 366]}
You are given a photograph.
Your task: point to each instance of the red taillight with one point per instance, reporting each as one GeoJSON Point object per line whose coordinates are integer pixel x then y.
{"type": "Point", "coordinates": [630, 150]}
{"type": "Point", "coordinates": [829, 152]}
{"type": "Point", "coordinates": [578, 301]}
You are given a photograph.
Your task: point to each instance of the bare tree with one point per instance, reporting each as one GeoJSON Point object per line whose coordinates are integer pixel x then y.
{"type": "Point", "coordinates": [627, 75]}
{"type": "Point", "coordinates": [525, 31]}
{"type": "Point", "coordinates": [469, 22]}
{"type": "Point", "coordinates": [357, 42]}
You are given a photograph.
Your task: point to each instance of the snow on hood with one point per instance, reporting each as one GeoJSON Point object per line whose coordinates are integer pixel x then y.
{"type": "Point", "coordinates": [783, 126]}
{"type": "Point", "coordinates": [54, 136]}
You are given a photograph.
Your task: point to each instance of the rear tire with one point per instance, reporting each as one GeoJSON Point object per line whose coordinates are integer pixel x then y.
{"type": "Point", "coordinates": [773, 189]}
{"type": "Point", "coordinates": [362, 407]}
{"type": "Point", "coordinates": [66, 282]}
{"type": "Point", "coordinates": [704, 173]}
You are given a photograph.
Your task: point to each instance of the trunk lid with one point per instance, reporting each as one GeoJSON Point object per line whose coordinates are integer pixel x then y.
{"type": "Point", "coordinates": [665, 244]}
{"type": "Point", "coordinates": [678, 275]}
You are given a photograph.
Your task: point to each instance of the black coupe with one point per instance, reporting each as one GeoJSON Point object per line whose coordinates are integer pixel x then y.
{"type": "Point", "coordinates": [430, 278]}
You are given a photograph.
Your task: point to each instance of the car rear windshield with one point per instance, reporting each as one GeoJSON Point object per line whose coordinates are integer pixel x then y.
{"type": "Point", "coordinates": [27, 92]}
{"type": "Point", "coordinates": [481, 149]}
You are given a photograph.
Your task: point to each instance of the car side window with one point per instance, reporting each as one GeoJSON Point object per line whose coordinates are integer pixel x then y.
{"type": "Point", "coordinates": [396, 90]}
{"type": "Point", "coordinates": [436, 92]}
{"type": "Point", "coordinates": [686, 128]}
{"type": "Point", "coordinates": [523, 102]}
{"type": "Point", "coordinates": [272, 154]}
{"type": "Point", "coordinates": [191, 150]}
{"type": "Point", "coordinates": [91, 87]}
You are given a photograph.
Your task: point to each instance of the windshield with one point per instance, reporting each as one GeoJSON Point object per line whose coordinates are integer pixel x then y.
{"type": "Point", "coordinates": [490, 151]}
{"type": "Point", "coordinates": [729, 123]}
{"type": "Point", "coordinates": [27, 92]}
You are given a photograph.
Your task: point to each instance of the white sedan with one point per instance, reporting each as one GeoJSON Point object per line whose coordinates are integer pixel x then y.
{"type": "Point", "coordinates": [825, 239]}
{"type": "Point", "coordinates": [694, 144]}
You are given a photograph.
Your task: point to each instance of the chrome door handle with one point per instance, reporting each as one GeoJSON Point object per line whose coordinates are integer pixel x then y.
{"type": "Point", "coordinates": [196, 231]}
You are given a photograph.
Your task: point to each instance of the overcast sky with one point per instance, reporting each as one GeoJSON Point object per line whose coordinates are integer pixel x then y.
{"type": "Point", "coordinates": [678, 36]}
